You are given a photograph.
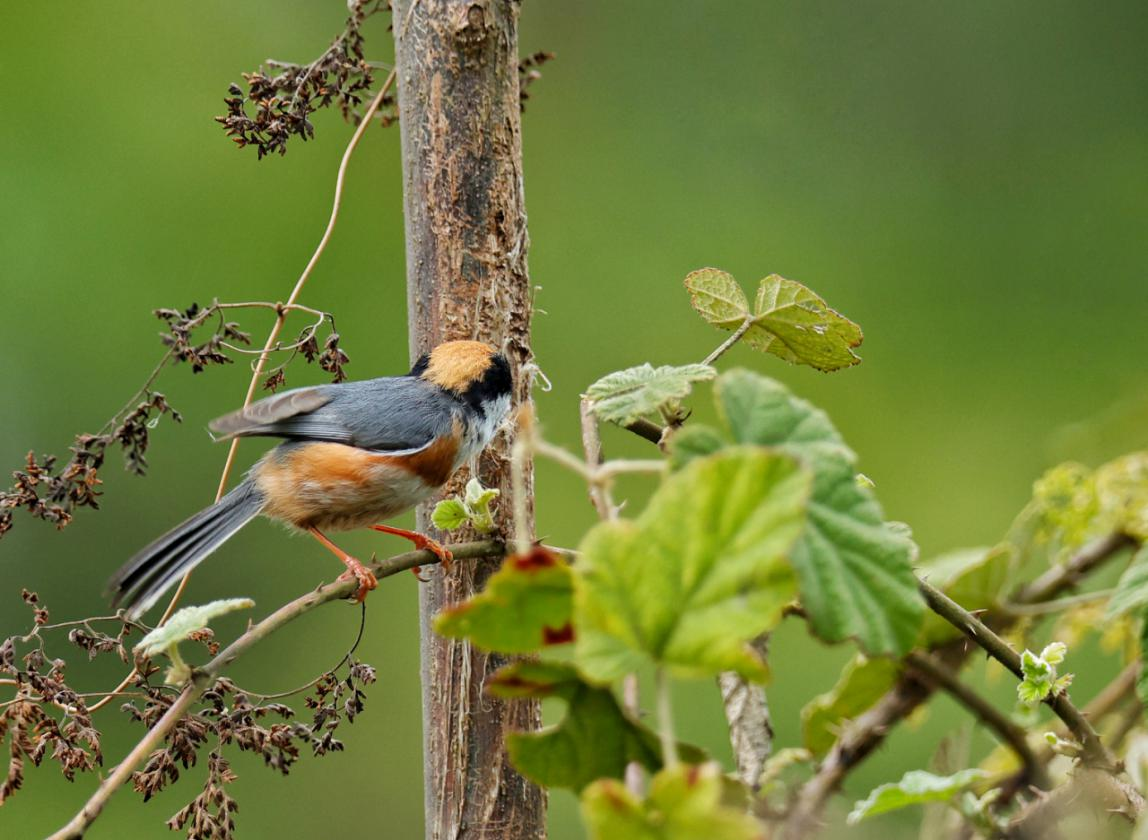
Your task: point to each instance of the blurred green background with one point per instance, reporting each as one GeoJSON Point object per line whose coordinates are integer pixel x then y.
{"type": "Point", "coordinates": [968, 181]}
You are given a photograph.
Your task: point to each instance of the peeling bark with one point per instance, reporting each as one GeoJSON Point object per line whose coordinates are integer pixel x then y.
{"type": "Point", "coordinates": [466, 245]}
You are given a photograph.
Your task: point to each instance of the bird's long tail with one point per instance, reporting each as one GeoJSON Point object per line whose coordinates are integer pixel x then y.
{"type": "Point", "coordinates": [156, 568]}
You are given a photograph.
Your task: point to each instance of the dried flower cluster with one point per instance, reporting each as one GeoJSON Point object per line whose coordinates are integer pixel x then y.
{"type": "Point", "coordinates": [181, 325]}
{"type": "Point", "coordinates": [32, 731]}
{"type": "Point", "coordinates": [278, 106]}
{"type": "Point", "coordinates": [229, 716]}
{"type": "Point", "coordinates": [53, 493]}
{"type": "Point", "coordinates": [47, 719]}
{"type": "Point", "coordinates": [528, 74]}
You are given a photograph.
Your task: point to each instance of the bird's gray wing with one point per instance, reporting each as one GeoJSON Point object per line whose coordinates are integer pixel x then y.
{"type": "Point", "coordinates": [388, 414]}
{"type": "Point", "coordinates": [290, 414]}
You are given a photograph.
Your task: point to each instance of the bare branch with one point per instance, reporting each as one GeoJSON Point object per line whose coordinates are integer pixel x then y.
{"type": "Point", "coordinates": [202, 678]}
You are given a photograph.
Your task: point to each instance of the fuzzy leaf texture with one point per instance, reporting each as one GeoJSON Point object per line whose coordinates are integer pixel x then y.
{"type": "Point", "coordinates": [596, 739]}
{"type": "Point", "coordinates": [854, 569]}
{"type": "Point", "coordinates": [684, 803]}
{"type": "Point", "coordinates": [717, 297]}
{"type": "Point", "coordinates": [916, 787]}
{"type": "Point", "coordinates": [698, 575]}
{"type": "Point", "coordinates": [449, 515]}
{"type": "Point", "coordinates": [187, 621]}
{"type": "Point", "coordinates": [626, 395]}
{"type": "Point", "coordinates": [525, 606]}
{"type": "Point", "coordinates": [863, 682]}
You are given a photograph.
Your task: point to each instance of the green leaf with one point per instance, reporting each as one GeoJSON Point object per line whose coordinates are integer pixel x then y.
{"type": "Point", "coordinates": [624, 396]}
{"type": "Point", "coordinates": [684, 804]}
{"type": "Point", "coordinates": [185, 622]}
{"type": "Point", "coordinates": [526, 605]}
{"type": "Point", "coordinates": [1132, 589]}
{"type": "Point", "coordinates": [915, 787]}
{"type": "Point", "coordinates": [863, 682]}
{"type": "Point", "coordinates": [449, 514]}
{"type": "Point", "coordinates": [855, 572]}
{"type": "Point", "coordinates": [717, 297]}
{"type": "Point", "coordinates": [1039, 674]}
{"type": "Point", "coordinates": [796, 325]}
{"type": "Point", "coordinates": [698, 575]}
{"type": "Point", "coordinates": [596, 739]}
{"type": "Point", "coordinates": [477, 502]}
{"type": "Point", "coordinates": [973, 577]}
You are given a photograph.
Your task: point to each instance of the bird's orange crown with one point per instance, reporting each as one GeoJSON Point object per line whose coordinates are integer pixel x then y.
{"type": "Point", "coordinates": [456, 365]}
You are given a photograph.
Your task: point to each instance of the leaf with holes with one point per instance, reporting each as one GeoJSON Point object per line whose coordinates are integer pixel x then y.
{"type": "Point", "coordinates": [854, 570]}
{"type": "Point", "coordinates": [596, 739]}
{"type": "Point", "coordinates": [525, 606]}
{"type": "Point", "coordinates": [700, 573]}
{"type": "Point", "coordinates": [626, 395]}
{"type": "Point", "coordinates": [796, 325]}
{"type": "Point", "coordinates": [684, 803]}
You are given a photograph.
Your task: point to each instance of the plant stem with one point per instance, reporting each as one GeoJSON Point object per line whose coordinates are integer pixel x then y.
{"type": "Point", "coordinates": [1007, 731]}
{"type": "Point", "coordinates": [666, 719]}
{"type": "Point", "coordinates": [729, 342]}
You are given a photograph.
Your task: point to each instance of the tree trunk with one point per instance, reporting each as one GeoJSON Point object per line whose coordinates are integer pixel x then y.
{"type": "Point", "coordinates": [457, 65]}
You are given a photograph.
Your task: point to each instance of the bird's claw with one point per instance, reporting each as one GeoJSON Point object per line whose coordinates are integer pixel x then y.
{"type": "Point", "coordinates": [365, 577]}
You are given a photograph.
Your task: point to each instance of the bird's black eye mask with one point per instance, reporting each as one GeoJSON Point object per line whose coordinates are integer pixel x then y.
{"type": "Point", "coordinates": [495, 383]}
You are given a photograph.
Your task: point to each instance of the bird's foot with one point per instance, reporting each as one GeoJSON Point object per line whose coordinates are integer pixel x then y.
{"type": "Point", "coordinates": [421, 542]}
{"type": "Point", "coordinates": [365, 577]}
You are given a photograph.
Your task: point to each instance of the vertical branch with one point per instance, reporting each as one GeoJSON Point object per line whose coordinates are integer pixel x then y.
{"type": "Point", "coordinates": [747, 713]}
{"type": "Point", "coordinates": [466, 240]}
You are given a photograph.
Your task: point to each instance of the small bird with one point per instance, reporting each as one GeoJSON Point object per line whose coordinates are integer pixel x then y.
{"type": "Point", "coordinates": [355, 453]}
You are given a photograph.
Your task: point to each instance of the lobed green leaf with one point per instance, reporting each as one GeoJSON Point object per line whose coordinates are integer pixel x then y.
{"type": "Point", "coordinates": [698, 575]}
{"type": "Point", "coordinates": [854, 570]}
{"type": "Point", "coordinates": [626, 395]}
{"type": "Point", "coordinates": [796, 325]}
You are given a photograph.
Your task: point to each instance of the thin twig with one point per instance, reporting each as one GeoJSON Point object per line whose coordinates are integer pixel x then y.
{"type": "Point", "coordinates": [729, 342]}
{"type": "Point", "coordinates": [1007, 731]}
{"type": "Point", "coordinates": [1095, 754]}
{"type": "Point", "coordinates": [203, 678]}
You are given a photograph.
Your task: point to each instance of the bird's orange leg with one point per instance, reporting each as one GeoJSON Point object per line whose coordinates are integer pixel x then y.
{"type": "Point", "coordinates": [421, 541]}
{"type": "Point", "coordinates": [355, 569]}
